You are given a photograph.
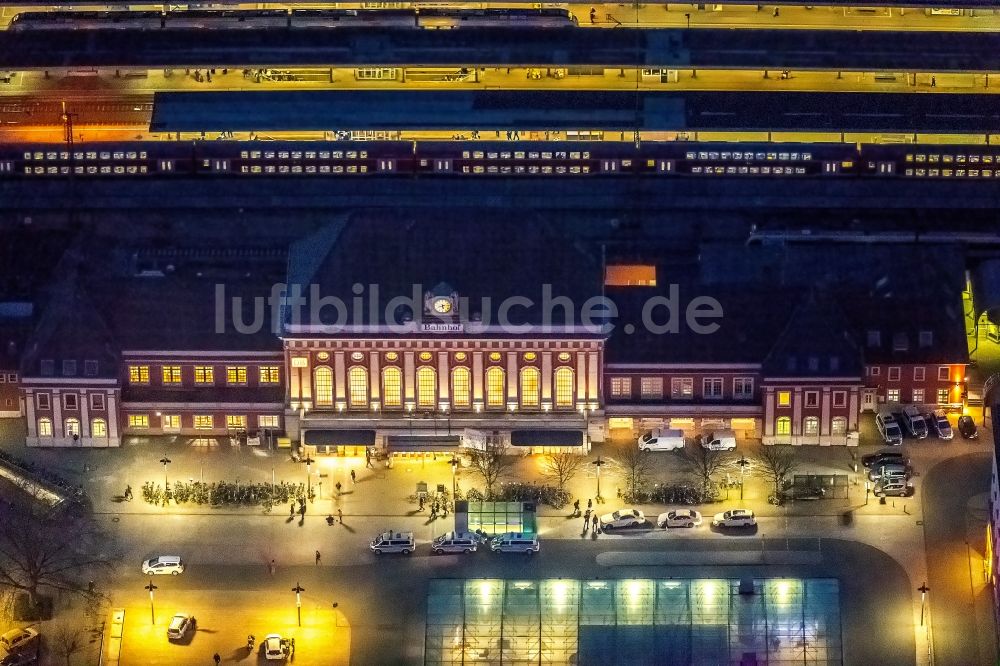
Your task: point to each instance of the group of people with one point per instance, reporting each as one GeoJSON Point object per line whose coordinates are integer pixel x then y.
{"type": "Point", "coordinates": [590, 519]}
{"type": "Point", "coordinates": [438, 507]}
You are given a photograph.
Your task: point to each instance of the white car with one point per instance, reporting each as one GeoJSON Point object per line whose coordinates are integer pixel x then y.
{"type": "Point", "coordinates": [622, 518]}
{"type": "Point", "coordinates": [679, 518]}
{"type": "Point", "coordinates": [274, 648]}
{"type": "Point", "coordinates": [180, 625]}
{"type": "Point", "coordinates": [16, 640]}
{"type": "Point", "coordinates": [164, 564]}
{"type": "Point", "coordinates": [735, 518]}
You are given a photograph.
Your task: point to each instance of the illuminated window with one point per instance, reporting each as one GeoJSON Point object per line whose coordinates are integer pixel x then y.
{"type": "Point", "coordinates": [72, 427]}
{"type": "Point", "coordinates": [170, 421]}
{"type": "Point", "coordinates": [651, 388]}
{"type": "Point", "coordinates": [203, 422]}
{"type": "Point", "coordinates": [838, 426]}
{"type": "Point", "coordinates": [564, 387]}
{"type": "Point", "coordinates": [564, 356]}
{"type": "Point", "coordinates": [530, 356]}
{"type": "Point", "coordinates": [204, 374]}
{"type": "Point", "coordinates": [235, 422]}
{"type": "Point", "coordinates": [357, 384]}
{"type": "Point", "coordinates": [392, 387]}
{"type": "Point", "coordinates": [269, 374]}
{"type": "Point", "coordinates": [138, 374]}
{"type": "Point", "coordinates": [810, 426]}
{"type": "Point", "coordinates": [357, 356]}
{"type": "Point", "coordinates": [784, 398]}
{"type": "Point", "coordinates": [426, 387]}
{"type": "Point", "coordinates": [918, 395]}
{"type": "Point", "coordinates": [892, 395]}
{"type": "Point", "coordinates": [138, 420]}
{"type": "Point", "coordinates": [99, 428]}
{"type": "Point", "coordinates": [621, 387]}
{"type": "Point", "coordinates": [391, 356]}
{"type": "Point", "coordinates": [267, 421]}
{"type": "Point", "coordinates": [44, 427]}
{"type": "Point", "coordinates": [425, 356]}
{"type": "Point", "coordinates": [460, 356]}
{"type": "Point", "coordinates": [236, 374]}
{"type": "Point", "coordinates": [530, 387]}
{"type": "Point", "coordinates": [171, 374]}
{"type": "Point", "coordinates": [630, 275]}
{"type": "Point", "coordinates": [495, 387]}
{"type": "Point", "coordinates": [461, 383]}
{"type": "Point", "coordinates": [784, 426]}
{"type": "Point", "coordinates": [323, 386]}
{"type": "Point", "coordinates": [495, 356]}
{"type": "Point", "coordinates": [942, 397]}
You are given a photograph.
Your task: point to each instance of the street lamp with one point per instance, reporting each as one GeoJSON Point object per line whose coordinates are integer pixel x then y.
{"type": "Point", "coordinates": [152, 611]}
{"type": "Point", "coordinates": [868, 490]}
{"type": "Point", "coordinates": [599, 464]}
{"type": "Point", "coordinates": [742, 462]}
{"type": "Point", "coordinates": [454, 484]}
{"type": "Point", "coordinates": [923, 598]}
{"type": "Point", "coordinates": [308, 461]}
{"type": "Point", "coordinates": [164, 461]}
{"type": "Point", "coordinates": [298, 590]}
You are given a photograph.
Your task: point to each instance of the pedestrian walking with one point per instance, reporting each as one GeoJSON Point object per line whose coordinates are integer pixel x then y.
{"type": "Point", "coordinates": [271, 567]}
{"type": "Point", "coordinates": [576, 508]}
{"type": "Point", "coordinates": [216, 658]}
{"type": "Point", "coordinates": [338, 487]}
{"type": "Point", "coordinates": [354, 477]}
{"type": "Point", "coordinates": [340, 515]}
{"type": "Point", "coordinates": [291, 510]}
{"type": "Point", "coordinates": [586, 522]}
{"type": "Point", "coordinates": [420, 503]}
{"type": "Point", "coordinates": [593, 15]}
{"type": "Point", "coordinates": [368, 459]}
{"type": "Point", "coordinates": [933, 82]}
{"type": "Point", "coordinates": [317, 558]}
{"type": "Point", "coordinates": [590, 505]}
{"type": "Point", "coordinates": [597, 524]}
{"type": "Point", "coordinates": [128, 493]}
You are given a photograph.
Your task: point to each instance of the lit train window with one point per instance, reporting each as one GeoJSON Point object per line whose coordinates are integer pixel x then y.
{"type": "Point", "coordinates": [766, 170]}
{"type": "Point", "coordinates": [586, 169]}
{"type": "Point", "coordinates": [532, 169]}
{"type": "Point", "coordinates": [739, 156]}
{"type": "Point", "coordinates": [442, 165]}
{"type": "Point", "coordinates": [574, 169]}
{"type": "Point", "coordinates": [532, 155]}
{"type": "Point", "coordinates": [386, 165]}
{"type": "Point", "coordinates": [546, 169]}
{"type": "Point", "coordinates": [974, 159]}
{"type": "Point", "coordinates": [987, 159]}
{"type": "Point", "coordinates": [830, 167]}
{"type": "Point", "coordinates": [934, 158]}
{"type": "Point", "coordinates": [27, 156]}
{"type": "Point", "coordinates": [560, 169]}
{"type": "Point", "coordinates": [477, 154]}
{"type": "Point", "coordinates": [77, 155]}
{"type": "Point", "coordinates": [731, 170]}
{"type": "Point", "coordinates": [713, 156]}
{"type": "Point", "coordinates": [310, 154]}
{"type": "Point", "coordinates": [760, 156]}
{"type": "Point", "coordinates": [256, 169]}
{"type": "Point", "coordinates": [91, 169]}
{"type": "Point", "coordinates": [352, 168]}
{"type": "Point", "coordinates": [948, 159]}
{"type": "Point", "coordinates": [52, 170]}
{"type": "Point", "coordinates": [143, 168]}
{"type": "Point", "coordinates": [666, 166]}
{"type": "Point", "coordinates": [960, 173]}
{"type": "Point", "coordinates": [118, 155]}
{"type": "Point", "coordinates": [105, 155]}
{"type": "Point", "coordinates": [505, 155]}
{"type": "Point", "coordinates": [50, 156]}
{"type": "Point", "coordinates": [268, 154]}
{"type": "Point", "coordinates": [800, 170]}
{"type": "Point", "coordinates": [64, 155]}
{"type": "Point", "coordinates": [626, 163]}
{"type": "Point", "coordinates": [807, 156]}
{"type": "Point", "coordinates": [244, 169]}
{"type": "Point", "coordinates": [364, 168]}
{"type": "Point", "coordinates": [105, 170]}
{"type": "Point", "coordinates": [297, 168]}
{"type": "Point", "coordinates": [131, 169]}
{"type": "Point", "coordinates": [297, 155]}
{"type": "Point", "coordinates": [351, 154]}
{"type": "Point", "coordinates": [519, 169]}
{"type": "Point", "coordinates": [561, 155]}
{"type": "Point", "coordinates": [947, 173]}
{"type": "Point", "coordinates": [465, 169]}
{"type": "Point", "coordinates": [244, 154]}
{"type": "Point", "coordinates": [727, 156]}
{"type": "Point", "coordinates": [772, 156]}
{"type": "Point", "coordinates": [131, 155]}
{"type": "Point", "coordinates": [744, 170]}
{"type": "Point", "coordinates": [283, 154]}
{"type": "Point", "coordinates": [754, 170]}
{"type": "Point", "coordinates": [933, 173]}
{"type": "Point", "coordinates": [465, 154]}
{"type": "Point", "coordinates": [960, 158]}
{"type": "Point", "coordinates": [325, 168]}
{"type": "Point", "coordinates": [783, 157]}
{"type": "Point", "coordinates": [364, 154]}
{"type": "Point", "coordinates": [974, 173]}
{"type": "Point", "coordinates": [586, 154]}
{"type": "Point", "coordinates": [269, 168]}
{"type": "Point", "coordinates": [78, 169]}
{"type": "Point", "coordinates": [703, 156]}
{"type": "Point", "coordinates": [690, 156]}
{"type": "Point", "coordinates": [518, 154]}
{"type": "Point", "coordinates": [338, 154]}
{"type": "Point", "coordinates": [492, 169]}
{"type": "Point", "coordinates": [255, 154]}
{"type": "Point", "coordinates": [39, 156]}
{"type": "Point", "coordinates": [324, 154]}
{"type": "Point", "coordinates": [574, 155]}
{"type": "Point", "coordinates": [696, 169]}
{"type": "Point", "coordinates": [477, 169]}
{"type": "Point", "coordinates": [492, 156]}
{"type": "Point", "coordinates": [908, 172]}
{"type": "Point", "coordinates": [505, 169]}
{"type": "Point", "coordinates": [794, 156]}
{"type": "Point", "coordinates": [91, 155]}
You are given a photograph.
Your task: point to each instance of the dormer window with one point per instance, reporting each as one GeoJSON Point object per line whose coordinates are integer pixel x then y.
{"type": "Point", "coordinates": [813, 364]}
{"type": "Point", "coordinates": [69, 368]}
{"type": "Point", "coordinates": [90, 368]}
{"type": "Point", "coordinates": [874, 339]}
{"type": "Point", "coordinates": [47, 367]}
{"type": "Point", "coordinates": [926, 338]}
{"type": "Point", "coordinates": [900, 342]}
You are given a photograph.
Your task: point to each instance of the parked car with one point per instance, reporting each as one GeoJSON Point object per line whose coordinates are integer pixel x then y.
{"type": "Point", "coordinates": [913, 421]}
{"type": "Point", "coordinates": [163, 564]}
{"type": "Point", "coordinates": [889, 428]}
{"type": "Point", "coordinates": [797, 493]}
{"type": "Point", "coordinates": [735, 518]}
{"type": "Point", "coordinates": [939, 425]}
{"type": "Point", "coordinates": [661, 440]}
{"type": "Point", "coordinates": [679, 518]}
{"type": "Point", "coordinates": [274, 648]}
{"type": "Point", "coordinates": [393, 542]}
{"type": "Point", "coordinates": [19, 640]}
{"type": "Point", "coordinates": [623, 518]}
{"type": "Point", "coordinates": [720, 440]}
{"type": "Point", "coordinates": [27, 657]}
{"type": "Point", "coordinates": [180, 625]}
{"type": "Point", "coordinates": [893, 488]}
{"type": "Point", "coordinates": [885, 457]}
{"type": "Point", "coordinates": [515, 542]}
{"type": "Point", "coordinates": [967, 427]}
{"type": "Point", "coordinates": [888, 471]}
{"type": "Point", "coordinates": [455, 542]}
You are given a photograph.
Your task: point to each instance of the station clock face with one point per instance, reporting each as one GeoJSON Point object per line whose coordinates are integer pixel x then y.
{"type": "Point", "coordinates": [442, 305]}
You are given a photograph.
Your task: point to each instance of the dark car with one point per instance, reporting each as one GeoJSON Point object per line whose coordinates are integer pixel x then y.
{"type": "Point", "coordinates": [797, 493]}
{"type": "Point", "coordinates": [967, 427]}
{"type": "Point", "coordinates": [884, 458]}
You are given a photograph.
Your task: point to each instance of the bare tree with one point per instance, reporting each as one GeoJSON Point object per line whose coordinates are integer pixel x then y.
{"type": "Point", "coordinates": [66, 639]}
{"type": "Point", "coordinates": [705, 465]}
{"type": "Point", "coordinates": [634, 468]}
{"type": "Point", "coordinates": [492, 462]}
{"type": "Point", "coordinates": [44, 548]}
{"type": "Point", "coordinates": [562, 467]}
{"type": "Point", "coordinates": [776, 464]}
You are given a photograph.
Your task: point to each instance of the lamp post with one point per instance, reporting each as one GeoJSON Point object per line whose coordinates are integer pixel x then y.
{"type": "Point", "coordinates": [152, 610]}
{"type": "Point", "coordinates": [868, 491]}
{"type": "Point", "coordinates": [164, 461]}
{"type": "Point", "coordinates": [923, 598]}
{"type": "Point", "coordinates": [454, 484]}
{"type": "Point", "coordinates": [298, 590]}
{"type": "Point", "coordinates": [308, 461]}
{"type": "Point", "coordinates": [742, 462]}
{"type": "Point", "coordinates": [599, 464]}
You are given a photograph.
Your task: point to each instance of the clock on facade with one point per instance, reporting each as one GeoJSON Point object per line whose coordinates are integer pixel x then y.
{"type": "Point", "coordinates": [442, 305]}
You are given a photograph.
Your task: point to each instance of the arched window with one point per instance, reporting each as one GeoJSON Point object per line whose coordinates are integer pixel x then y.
{"type": "Point", "coordinates": [461, 387]}
{"type": "Point", "coordinates": [357, 385]}
{"type": "Point", "coordinates": [426, 387]}
{"type": "Point", "coordinates": [838, 426]}
{"type": "Point", "coordinates": [392, 387]}
{"type": "Point", "coordinates": [72, 427]}
{"type": "Point", "coordinates": [45, 427]}
{"type": "Point", "coordinates": [495, 387]}
{"type": "Point", "coordinates": [323, 385]}
{"type": "Point", "coordinates": [99, 428]}
{"type": "Point", "coordinates": [529, 387]}
{"type": "Point", "coordinates": [784, 426]}
{"type": "Point", "coordinates": [564, 387]}
{"type": "Point", "coordinates": [810, 425]}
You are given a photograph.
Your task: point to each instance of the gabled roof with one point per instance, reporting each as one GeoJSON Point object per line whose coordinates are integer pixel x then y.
{"type": "Point", "coordinates": [816, 342]}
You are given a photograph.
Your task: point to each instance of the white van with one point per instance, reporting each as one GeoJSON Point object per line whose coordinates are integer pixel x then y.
{"type": "Point", "coordinates": [514, 542]}
{"type": "Point", "coordinates": [662, 440]}
{"type": "Point", "coordinates": [393, 542]}
{"type": "Point", "coordinates": [163, 564]}
{"type": "Point", "coordinates": [455, 542]}
{"type": "Point", "coordinates": [720, 440]}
